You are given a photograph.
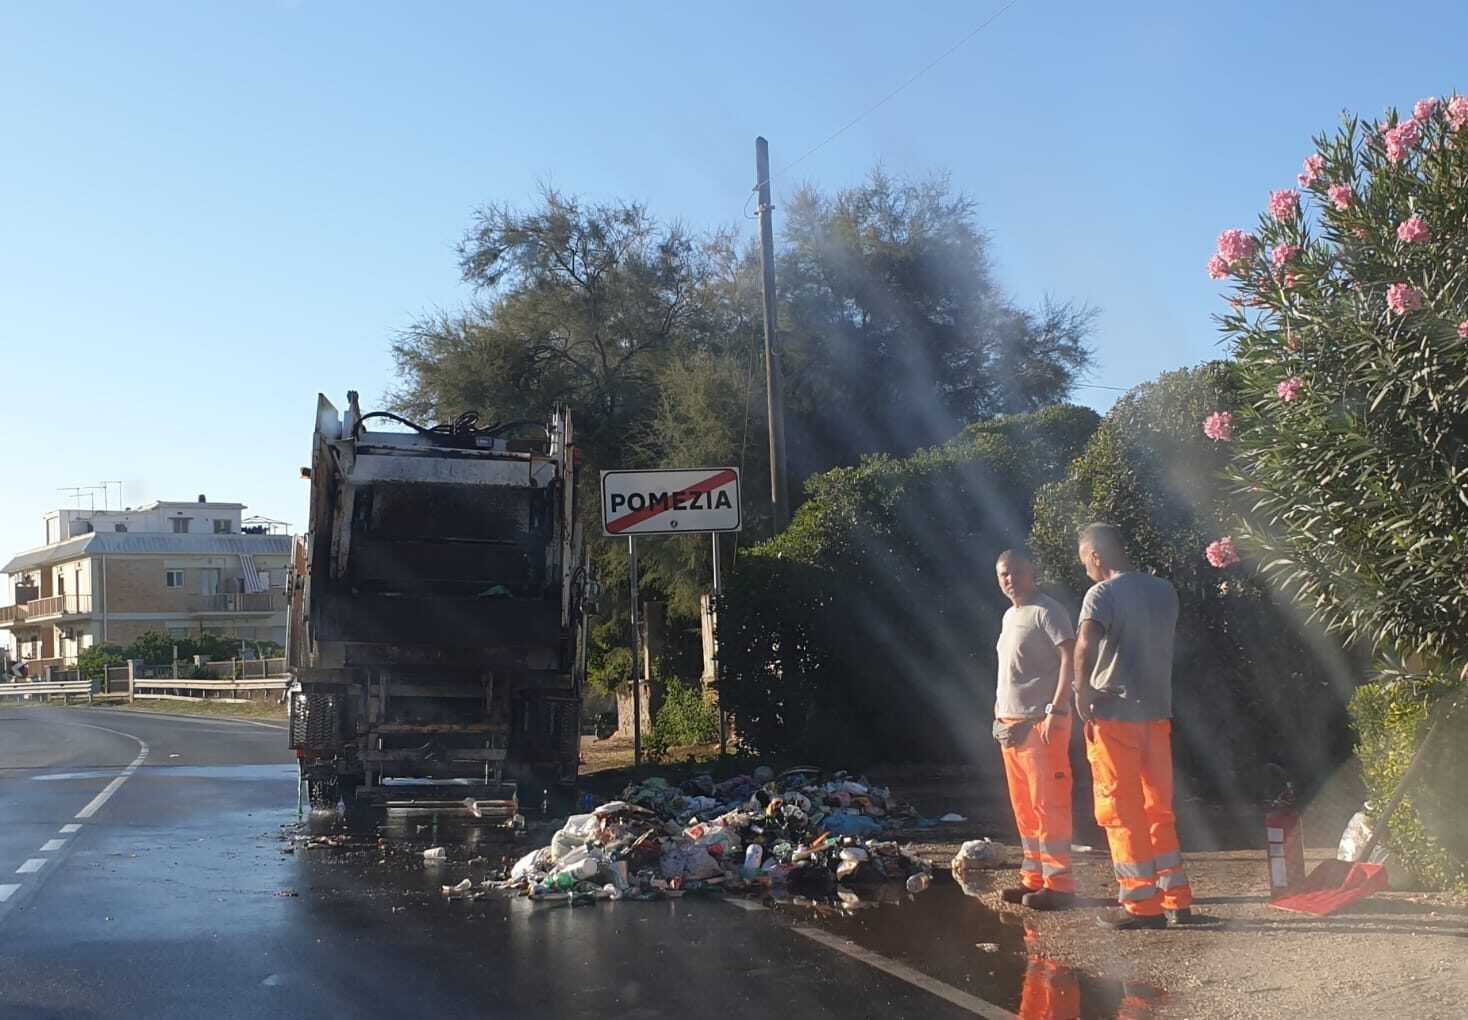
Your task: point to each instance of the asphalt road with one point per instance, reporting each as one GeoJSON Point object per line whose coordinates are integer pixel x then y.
{"type": "Point", "coordinates": [144, 872]}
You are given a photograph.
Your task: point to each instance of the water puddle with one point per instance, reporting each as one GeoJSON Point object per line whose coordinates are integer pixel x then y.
{"type": "Point", "coordinates": [961, 941]}
{"type": "Point", "coordinates": [251, 773]}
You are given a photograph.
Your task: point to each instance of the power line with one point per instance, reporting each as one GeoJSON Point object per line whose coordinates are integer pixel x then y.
{"type": "Point", "coordinates": [888, 97]}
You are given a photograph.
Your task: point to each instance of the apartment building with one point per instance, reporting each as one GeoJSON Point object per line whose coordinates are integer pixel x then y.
{"type": "Point", "coordinates": [107, 576]}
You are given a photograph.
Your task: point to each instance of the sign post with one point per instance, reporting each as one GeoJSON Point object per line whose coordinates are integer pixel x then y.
{"type": "Point", "coordinates": [667, 502]}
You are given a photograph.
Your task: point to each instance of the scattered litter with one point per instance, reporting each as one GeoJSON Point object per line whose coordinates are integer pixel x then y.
{"type": "Point", "coordinates": [287, 892]}
{"type": "Point", "coordinates": [987, 947]}
{"type": "Point", "coordinates": [459, 889]}
{"type": "Point", "coordinates": [822, 839]}
{"type": "Point", "coordinates": [434, 853]}
{"type": "Point", "coordinates": [952, 817]}
{"type": "Point", "coordinates": [980, 853]}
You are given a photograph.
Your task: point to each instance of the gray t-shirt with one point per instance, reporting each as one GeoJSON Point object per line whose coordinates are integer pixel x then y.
{"type": "Point", "coordinates": [1133, 673]}
{"type": "Point", "coordinates": [1029, 661]}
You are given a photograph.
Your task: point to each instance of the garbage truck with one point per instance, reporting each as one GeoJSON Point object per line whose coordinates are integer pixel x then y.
{"type": "Point", "coordinates": [435, 634]}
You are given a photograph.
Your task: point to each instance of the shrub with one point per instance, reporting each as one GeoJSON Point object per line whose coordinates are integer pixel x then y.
{"type": "Point", "coordinates": [1430, 829]}
{"type": "Point", "coordinates": [866, 630]}
{"type": "Point", "coordinates": [1350, 329]}
{"type": "Point", "coordinates": [1252, 685]}
{"type": "Point", "coordinates": [685, 717]}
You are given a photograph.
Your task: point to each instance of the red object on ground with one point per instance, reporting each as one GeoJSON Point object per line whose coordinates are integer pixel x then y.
{"type": "Point", "coordinates": [1286, 851]}
{"type": "Point", "coordinates": [1334, 885]}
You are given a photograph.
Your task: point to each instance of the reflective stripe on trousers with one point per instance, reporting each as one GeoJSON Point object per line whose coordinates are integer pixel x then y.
{"type": "Point", "coordinates": [1131, 763]}
{"type": "Point", "coordinates": [1039, 791]}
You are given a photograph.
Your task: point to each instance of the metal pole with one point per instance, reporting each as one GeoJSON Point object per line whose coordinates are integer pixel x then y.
{"type": "Point", "coordinates": [714, 612]}
{"type": "Point", "coordinates": [774, 402]}
{"type": "Point", "coordinates": [636, 656]}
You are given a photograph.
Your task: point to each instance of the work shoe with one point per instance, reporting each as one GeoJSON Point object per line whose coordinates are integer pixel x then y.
{"type": "Point", "coordinates": [1049, 899]}
{"type": "Point", "coordinates": [1133, 922]}
{"type": "Point", "coordinates": [1015, 894]}
{"type": "Point", "coordinates": [1181, 918]}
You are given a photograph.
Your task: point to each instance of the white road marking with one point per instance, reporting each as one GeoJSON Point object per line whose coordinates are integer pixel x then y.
{"type": "Point", "coordinates": [31, 866]}
{"type": "Point", "coordinates": [7, 891]}
{"type": "Point", "coordinates": [963, 1000]}
{"type": "Point", "coordinates": [112, 787]}
{"type": "Point", "coordinates": [52, 844]}
{"type": "Point", "coordinates": [68, 829]}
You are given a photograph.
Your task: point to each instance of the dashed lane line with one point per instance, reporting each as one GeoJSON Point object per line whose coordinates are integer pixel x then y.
{"type": "Point", "coordinates": [51, 845]}
{"type": "Point", "coordinates": [31, 866]}
{"type": "Point", "coordinates": [69, 828]}
{"type": "Point", "coordinates": [7, 891]}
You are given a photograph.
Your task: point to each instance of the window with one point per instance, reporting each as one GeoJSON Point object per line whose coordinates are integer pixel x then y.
{"type": "Point", "coordinates": [223, 528]}
{"type": "Point", "coordinates": [181, 525]}
{"type": "Point", "coordinates": [178, 632]}
{"type": "Point", "coordinates": [119, 527]}
{"type": "Point", "coordinates": [209, 580]}
{"type": "Point", "coordinates": [173, 578]}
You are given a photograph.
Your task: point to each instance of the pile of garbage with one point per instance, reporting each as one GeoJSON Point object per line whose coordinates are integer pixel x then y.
{"type": "Point", "coordinates": [750, 833]}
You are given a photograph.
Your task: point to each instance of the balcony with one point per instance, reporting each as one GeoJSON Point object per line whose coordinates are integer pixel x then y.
{"type": "Point", "coordinates": [239, 602]}
{"type": "Point", "coordinates": [55, 607]}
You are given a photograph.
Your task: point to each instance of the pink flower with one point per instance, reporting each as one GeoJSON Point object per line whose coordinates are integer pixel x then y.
{"type": "Point", "coordinates": [1221, 553]}
{"type": "Point", "coordinates": [1284, 253]}
{"type": "Point", "coordinates": [1235, 245]}
{"type": "Point", "coordinates": [1403, 298]}
{"type": "Point", "coordinates": [1290, 279]}
{"type": "Point", "coordinates": [1313, 165]}
{"type": "Point", "coordinates": [1219, 426]}
{"type": "Point", "coordinates": [1289, 390]}
{"type": "Point", "coordinates": [1414, 231]}
{"type": "Point", "coordinates": [1217, 268]}
{"type": "Point", "coordinates": [1400, 139]}
{"type": "Point", "coordinates": [1342, 196]}
{"type": "Point", "coordinates": [1424, 109]}
{"type": "Point", "coordinates": [1284, 205]}
{"type": "Point", "coordinates": [1457, 112]}
{"type": "Point", "coordinates": [1463, 329]}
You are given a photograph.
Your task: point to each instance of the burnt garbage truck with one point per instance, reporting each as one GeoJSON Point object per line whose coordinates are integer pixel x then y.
{"type": "Point", "coordinates": [436, 618]}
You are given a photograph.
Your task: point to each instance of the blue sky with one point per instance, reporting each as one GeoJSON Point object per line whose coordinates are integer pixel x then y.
{"type": "Point", "coordinates": [210, 212]}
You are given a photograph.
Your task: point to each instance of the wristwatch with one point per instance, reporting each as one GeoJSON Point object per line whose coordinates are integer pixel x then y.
{"type": "Point", "coordinates": [1050, 709]}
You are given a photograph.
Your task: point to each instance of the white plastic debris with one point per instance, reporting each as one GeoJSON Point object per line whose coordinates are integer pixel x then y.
{"type": "Point", "coordinates": [434, 853]}
{"type": "Point", "coordinates": [980, 853]}
{"type": "Point", "coordinates": [952, 817]}
{"type": "Point", "coordinates": [459, 889]}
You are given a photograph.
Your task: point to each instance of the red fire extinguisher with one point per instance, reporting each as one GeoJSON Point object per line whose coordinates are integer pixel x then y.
{"type": "Point", "coordinates": [1286, 845]}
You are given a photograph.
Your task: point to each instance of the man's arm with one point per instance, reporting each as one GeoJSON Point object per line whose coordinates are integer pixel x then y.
{"type": "Point", "coordinates": [1088, 646]}
{"type": "Point", "coordinates": [1062, 687]}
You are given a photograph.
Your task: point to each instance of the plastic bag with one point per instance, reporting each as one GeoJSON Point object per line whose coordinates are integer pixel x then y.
{"type": "Point", "coordinates": [851, 825]}
{"type": "Point", "coordinates": [980, 853]}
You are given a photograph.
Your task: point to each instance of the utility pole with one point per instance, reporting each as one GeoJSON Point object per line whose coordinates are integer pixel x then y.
{"type": "Point", "coordinates": [774, 401]}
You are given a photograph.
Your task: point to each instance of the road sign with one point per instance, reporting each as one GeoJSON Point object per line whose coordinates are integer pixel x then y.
{"type": "Point", "coordinates": [669, 502]}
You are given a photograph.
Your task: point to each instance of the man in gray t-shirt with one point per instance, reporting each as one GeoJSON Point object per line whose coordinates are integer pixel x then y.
{"type": "Point", "coordinates": [1123, 685]}
{"type": "Point", "coordinates": [1032, 724]}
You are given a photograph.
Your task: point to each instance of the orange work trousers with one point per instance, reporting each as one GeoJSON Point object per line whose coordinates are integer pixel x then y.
{"type": "Point", "coordinates": [1039, 790]}
{"type": "Point", "coordinates": [1131, 763]}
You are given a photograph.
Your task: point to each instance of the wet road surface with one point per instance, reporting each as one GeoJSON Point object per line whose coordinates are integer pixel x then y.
{"type": "Point", "coordinates": [145, 872]}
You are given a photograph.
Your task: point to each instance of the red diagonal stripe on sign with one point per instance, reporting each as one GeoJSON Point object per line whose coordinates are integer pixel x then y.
{"type": "Point", "coordinates": [709, 484]}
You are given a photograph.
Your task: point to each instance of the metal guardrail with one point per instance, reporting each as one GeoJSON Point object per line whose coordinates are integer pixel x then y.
{"type": "Point", "coordinates": [67, 689]}
{"type": "Point", "coordinates": [180, 689]}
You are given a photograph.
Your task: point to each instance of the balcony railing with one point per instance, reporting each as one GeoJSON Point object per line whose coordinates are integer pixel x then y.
{"type": "Point", "coordinates": [11, 614]}
{"type": "Point", "coordinates": [240, 602]}
{"type": "Point", "coordinates": [56, 605]}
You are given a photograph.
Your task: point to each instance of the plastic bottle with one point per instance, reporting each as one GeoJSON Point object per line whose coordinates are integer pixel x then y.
{"type": "Point", "coordinates": [917, 883]}
{"type": "Point", "coordinates": [753, 854]}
